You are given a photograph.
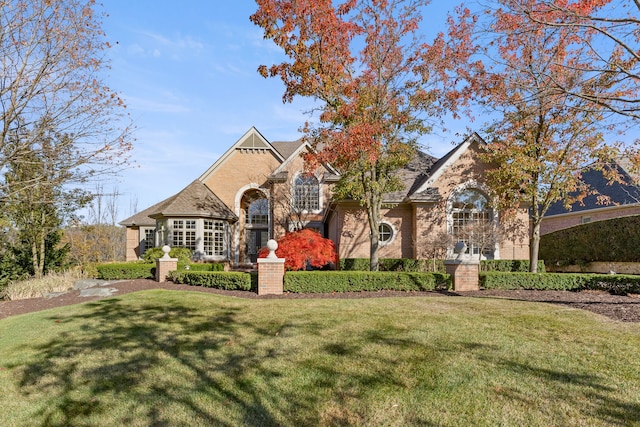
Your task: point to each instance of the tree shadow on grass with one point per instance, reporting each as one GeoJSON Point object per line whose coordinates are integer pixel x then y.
{"type": "Point", "coordinates": [603, 401]}
{"type": "Point", "coordinates": [118, 350]}
{"type": "Point", "coordinates": [174, 364]}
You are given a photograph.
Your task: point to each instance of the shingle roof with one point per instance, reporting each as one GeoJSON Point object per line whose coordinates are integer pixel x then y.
{"type": "Point", "coordinates": [142, 218]}
{"type": "Point", "coordinates": [287, 148]}
{"type": "Point", "coordinates": [620, 194]}
{"type": "Point", "coordinates": [195, 200]}
{"type": "Point", "coordinates": [411, 174]}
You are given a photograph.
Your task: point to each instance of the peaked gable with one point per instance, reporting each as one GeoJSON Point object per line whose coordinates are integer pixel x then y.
{"type": "Point", "coordinates": [445, 163]}
{"type": "Point", "coordinates": [296, 154]}
{"type": "Point", "coordinates": [252, 140]}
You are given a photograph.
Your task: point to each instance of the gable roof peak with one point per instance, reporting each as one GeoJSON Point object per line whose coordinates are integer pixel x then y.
{"type": "Point", "coordinates": [251, 140]}
{"type": "Point", "coordinates": [441, 166]}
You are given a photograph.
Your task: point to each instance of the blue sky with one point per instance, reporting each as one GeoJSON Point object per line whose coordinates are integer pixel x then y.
{"type": "Point", "coordinates": [187, 72]}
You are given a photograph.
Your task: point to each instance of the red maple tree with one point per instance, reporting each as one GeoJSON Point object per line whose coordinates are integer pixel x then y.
{"type": "Point", "coordinates": [302, 248]}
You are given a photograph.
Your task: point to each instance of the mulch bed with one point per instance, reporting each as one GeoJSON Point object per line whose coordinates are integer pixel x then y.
{"type": "Point", "coordinates": [624, 308]}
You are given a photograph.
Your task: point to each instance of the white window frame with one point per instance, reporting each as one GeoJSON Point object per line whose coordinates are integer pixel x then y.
{"type": "Point", "coordinates": [491, 214]}
{"type": "Point", "coordinates": [392, 230]}
{"type": "Point", "coordinates": [301, 193]}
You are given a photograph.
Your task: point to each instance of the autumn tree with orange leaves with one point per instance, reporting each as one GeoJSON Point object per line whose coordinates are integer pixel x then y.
{"type": "Point", "coordinates": [378, 85]}
{"type": "Point", "coordinates": [544, 136]}
{"type": "Point", "coordinates": [610, 31]}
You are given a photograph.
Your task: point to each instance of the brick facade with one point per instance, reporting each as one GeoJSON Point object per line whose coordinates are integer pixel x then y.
{"type": "Point", "coordinates": [133, 244]}
{"type": "Point", "coordinates": [253, 168]}
{"type": "Point", "coordinates": [464, 274]}
{"type": "Point", "coordinates": [164, 266]}
{"type": "Point", "coordinates": [270, 276]}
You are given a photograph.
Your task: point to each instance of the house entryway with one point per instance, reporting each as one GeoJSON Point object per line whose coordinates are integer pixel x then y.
{"type": "Point", "coordinates": [256, 239]}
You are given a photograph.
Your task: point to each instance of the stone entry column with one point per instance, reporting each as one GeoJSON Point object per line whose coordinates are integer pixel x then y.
{"type": "Point", "coordinates": [165, 264]}
{"type": "Point", "coordinates": [271, 272]}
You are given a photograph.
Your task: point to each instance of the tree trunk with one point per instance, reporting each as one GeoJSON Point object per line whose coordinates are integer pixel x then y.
{"type": "Point", "coordinates": [534, 247]}
{"type": "Point", "coordinates": [374, 243]}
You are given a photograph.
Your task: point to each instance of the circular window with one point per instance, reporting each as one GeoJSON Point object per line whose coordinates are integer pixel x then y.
{"type": "Point", "coordinates": [385, 233]}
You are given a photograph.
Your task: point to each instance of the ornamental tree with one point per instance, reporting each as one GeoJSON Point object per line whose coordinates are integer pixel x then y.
{"type": "Point", "coordinates": [544, 137]}
{"type": "Point", "coordinates": [376, 82]}
{"type": "Point", "coordinates": [302, 248]}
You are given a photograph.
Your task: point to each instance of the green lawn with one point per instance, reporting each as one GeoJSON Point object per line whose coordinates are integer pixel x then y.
{"type": "Point", "coordinates": [185, 358]}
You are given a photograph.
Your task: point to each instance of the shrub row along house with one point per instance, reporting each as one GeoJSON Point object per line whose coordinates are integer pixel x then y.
{"type": "Point", "coordinates": [258, 190]}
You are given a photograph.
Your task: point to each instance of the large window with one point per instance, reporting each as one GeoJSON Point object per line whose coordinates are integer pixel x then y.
{"type": "Point", "coordinates": [149, 239]}
{"type": "Point", "coordinates": [184, 233]}
{"type": "Point", "coordinates": [306, 193]}
{"type": "Point", "coordinates": [472, 221]}
{"type": "Point", "coordinates": [214, 242]}
{"type": "Point", "coordinates": [258, 212]}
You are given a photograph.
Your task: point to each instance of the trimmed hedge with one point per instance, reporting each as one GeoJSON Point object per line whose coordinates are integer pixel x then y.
{"type": "Point", "coordinates": [229, 280]}
{"type": "Point", "coordinates": [145, 270]}
{"type": "Point", "coordinates": [612, 240]}
{"type": "Point", "coordinates": [615, 284]}
{"type": "Point", "coordinates": [183, 254]}
{"type": "Point", "coordinates": [207, 266]}
{"type": "Point", "coordinates": [392, 264]}
{"type": "Point", "coordinates": [427, 265]}
{"type": "Point", "coordinates": [356, 281]}
{"type": "Point", "coordinates": [509, 265]}
{"type": "Point", "coordinates": [126, 271]}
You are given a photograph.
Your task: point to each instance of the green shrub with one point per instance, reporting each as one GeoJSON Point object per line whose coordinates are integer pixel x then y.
{"type": "Point", "coordinates": [509, 265]}
{"type": "Point", "coordinates": [229, 280]}
{"type": "Point", "coordinates": [616, 284]}
{"type": "Point", "coordinates": [613, 240]}
{"type": "Point", "coordinates": [393, 264]}
{"type": "Point", "coordinates": [126, 271]}
{"type": "Point", "coordinates": [356, 281]}
{"type": "Point", "coordinates": [90, 270]}
{"type": "Point", "coordinates": [201, 266]}
{"type": "Point", "coordinates": [183, 254]}
{"type": "Point", "coordinates": [427, 265]}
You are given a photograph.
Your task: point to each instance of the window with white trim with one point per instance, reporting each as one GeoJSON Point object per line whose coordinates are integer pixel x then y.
{"type": "Point", "coordinates": [306, 193]}
{"type": "Point", "coordinates": [183, 233]}
{"type": "Point", "coordinates": [258, 212]}
{"type": "Point", "coordinates": [470, 216]}
{"type": "Point", "coordinates": [385, 233]}
{"type": "Point", "coordinates": [214, 242]}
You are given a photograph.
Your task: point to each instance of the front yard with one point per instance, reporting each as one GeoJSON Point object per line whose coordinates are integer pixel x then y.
{"type": "Point", "coordinates": [186, 358]}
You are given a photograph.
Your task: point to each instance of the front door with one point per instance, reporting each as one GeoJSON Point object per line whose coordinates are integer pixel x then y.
{"type": "Point", "coordinates": [256, 239]}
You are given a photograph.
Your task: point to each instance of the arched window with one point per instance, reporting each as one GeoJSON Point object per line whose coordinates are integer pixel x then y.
{"type": "Point", "coordinates": [472, 221]}
{"type": "Point", "coordinates": [306, 193]}
{"type": "Point", "coordinates": [258, 212]}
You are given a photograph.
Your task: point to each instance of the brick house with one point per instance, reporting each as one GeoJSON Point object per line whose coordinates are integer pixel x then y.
{"type": "Point", "coordinates": [257, 190]}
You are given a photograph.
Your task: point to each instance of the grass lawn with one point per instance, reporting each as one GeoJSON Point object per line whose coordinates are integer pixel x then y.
{"type": "Point", "coordinates": [184, 358]}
